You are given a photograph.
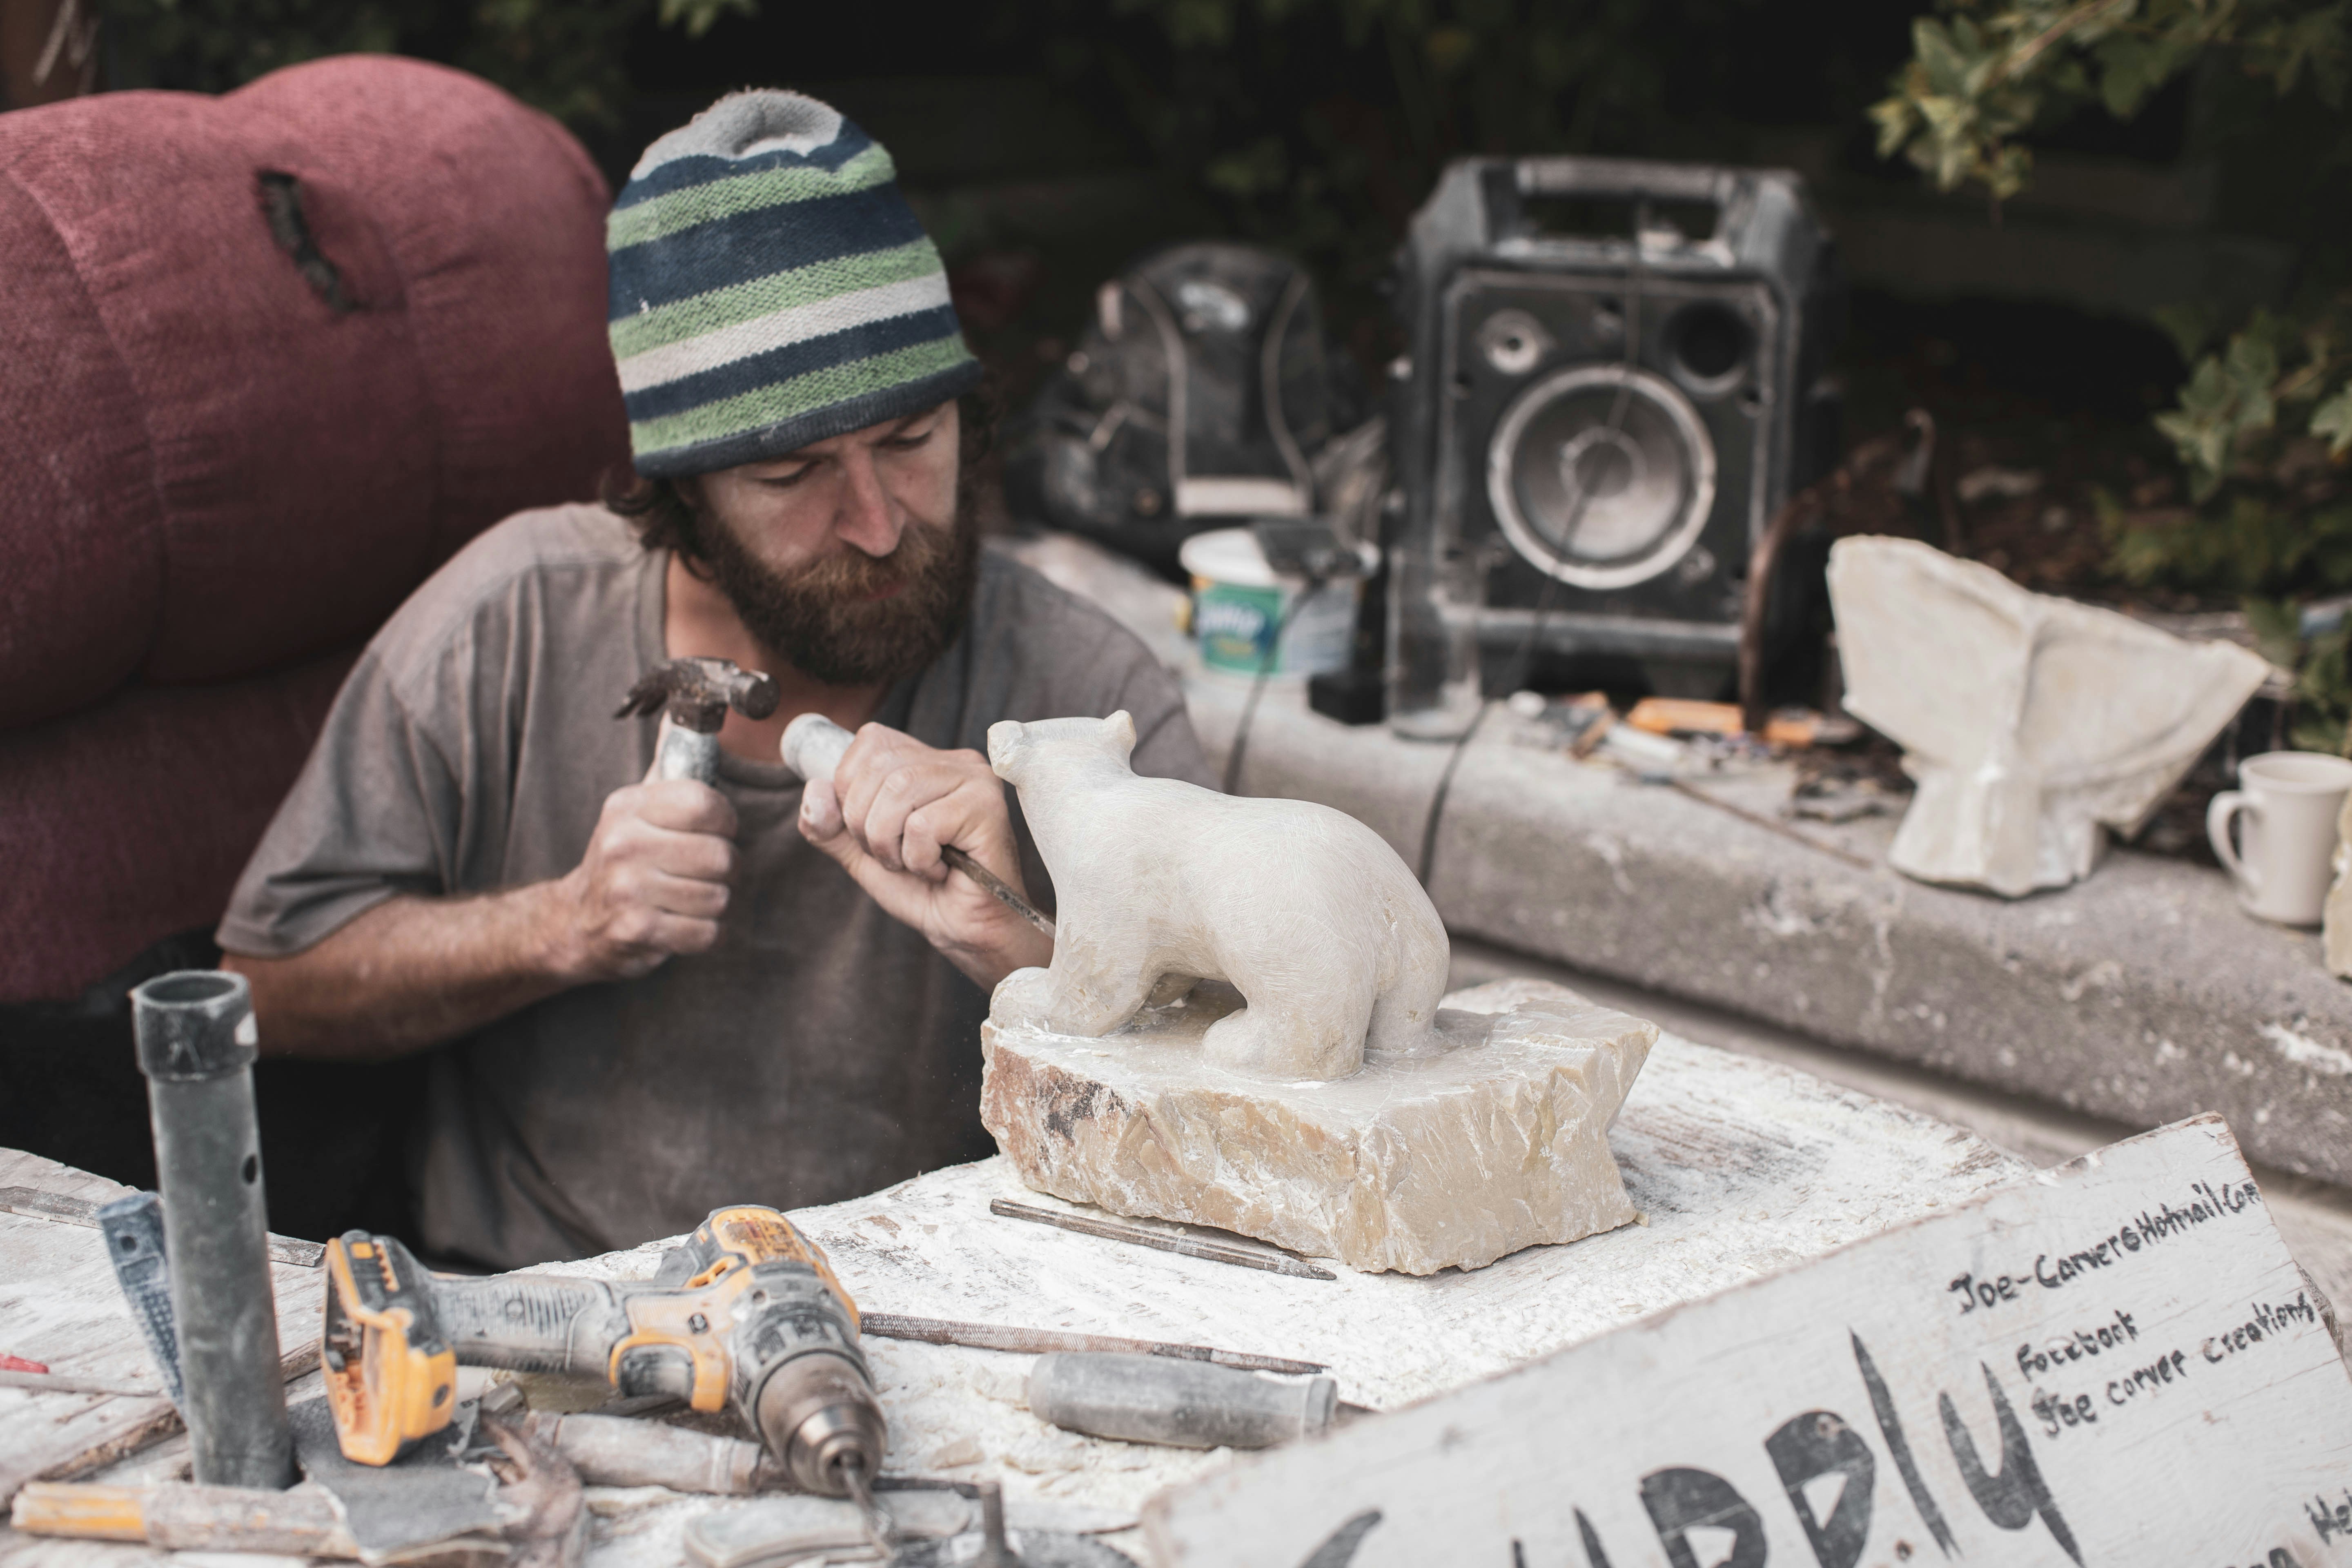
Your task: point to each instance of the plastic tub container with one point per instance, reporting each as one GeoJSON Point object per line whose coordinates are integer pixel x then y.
{"type": "Point", "coordinates": [1239, 601]}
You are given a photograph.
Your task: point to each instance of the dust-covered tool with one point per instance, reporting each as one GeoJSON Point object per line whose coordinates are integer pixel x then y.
{"type": "Point", "coordinates": [133, 1228]}
{"type": "Point", "coordinates": [302, 1522]}
{"type": "Point", "coordinates": [1043, 1341]}
{"type": "Point", "coordinates": [1244, 1254]}
{"type": "Point", "coordinates": [35, 1203]}
{"type": "Point", "coordinates": [1179, 1404]}
{"type": "Point", "coordinates": [692, 695]}
{"type": "Point", "coordinates": [746, 1312]}
{"type": "Point", "coordinates": [813, 748]}
{"type": "Point", "coordinates": [196, 1045]}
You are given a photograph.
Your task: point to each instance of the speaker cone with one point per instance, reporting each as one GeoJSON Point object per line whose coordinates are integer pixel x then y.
{"type": "Point", "coordinates": [1601, 474]}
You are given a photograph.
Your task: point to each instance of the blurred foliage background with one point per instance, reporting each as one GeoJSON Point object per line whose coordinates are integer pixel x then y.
{"type": "Point", "coordinates": [2185, 449]}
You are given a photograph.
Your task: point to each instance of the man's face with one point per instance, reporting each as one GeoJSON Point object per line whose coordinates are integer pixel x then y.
{"type": "Point", "coordinates": [847, 557]}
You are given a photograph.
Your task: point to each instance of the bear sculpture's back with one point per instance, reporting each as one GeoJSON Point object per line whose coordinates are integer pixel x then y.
{"type": "Point", "coordinates": [1306, 911]}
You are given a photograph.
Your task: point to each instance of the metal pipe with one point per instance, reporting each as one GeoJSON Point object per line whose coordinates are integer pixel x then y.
{"type": "Point", "coordinates": [196, 1047]}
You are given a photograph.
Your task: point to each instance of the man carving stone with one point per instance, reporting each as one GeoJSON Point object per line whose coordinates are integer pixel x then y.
{"type": "Point", "coordinates": [647, 998]}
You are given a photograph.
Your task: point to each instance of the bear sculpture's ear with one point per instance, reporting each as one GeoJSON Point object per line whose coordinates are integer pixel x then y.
{"type": "Point", "coordinates": [1003, 745]}
{"type": "Point", "coordinates": [1122, 731]}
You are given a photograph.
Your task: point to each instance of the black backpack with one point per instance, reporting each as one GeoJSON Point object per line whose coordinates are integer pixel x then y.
{"type": "Point", "coordinates": [1199, 396]}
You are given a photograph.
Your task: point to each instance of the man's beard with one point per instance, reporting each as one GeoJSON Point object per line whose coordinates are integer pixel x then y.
{"type": "Point", "coordinates": [824, 619]}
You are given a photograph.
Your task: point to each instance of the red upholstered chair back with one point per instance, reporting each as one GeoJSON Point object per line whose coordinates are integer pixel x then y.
{"type": "Point", "coordinates": [265, 361]}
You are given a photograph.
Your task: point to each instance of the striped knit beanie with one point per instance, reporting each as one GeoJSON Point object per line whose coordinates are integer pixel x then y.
{"type": "Point", "coordinates": [771, 288]}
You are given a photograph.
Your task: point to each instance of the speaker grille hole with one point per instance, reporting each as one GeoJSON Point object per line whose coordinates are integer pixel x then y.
{"type": "Point", "coordinates": [1709, 342]}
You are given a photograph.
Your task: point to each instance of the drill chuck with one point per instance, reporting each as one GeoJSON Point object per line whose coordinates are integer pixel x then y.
{"type": "Point", "coordinates": [818, 1414]}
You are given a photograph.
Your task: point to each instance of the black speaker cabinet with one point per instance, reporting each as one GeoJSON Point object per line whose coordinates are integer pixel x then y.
{"type": "Point", "coordinates": [1615, 375]}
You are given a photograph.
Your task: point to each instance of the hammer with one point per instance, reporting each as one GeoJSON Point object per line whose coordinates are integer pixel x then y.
{"type": "Point", "coordinates": [812, 746]}
{"type": "Point", "coordinates": [694, 695]}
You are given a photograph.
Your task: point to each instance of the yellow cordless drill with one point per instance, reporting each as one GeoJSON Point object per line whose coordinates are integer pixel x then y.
{"type": "Point", "coordinates": [746, 1311]}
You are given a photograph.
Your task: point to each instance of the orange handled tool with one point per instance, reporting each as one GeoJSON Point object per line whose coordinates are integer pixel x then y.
{"type": "Point", "coordinates": [746, 1312]}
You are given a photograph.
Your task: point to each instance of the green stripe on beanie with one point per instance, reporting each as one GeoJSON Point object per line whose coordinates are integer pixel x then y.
{"type": "Point", "coordinates": [725, 198]}
{"type": "Point", "coordinates": [742, 303]}
{"type": "Point", "coordinates": [789, 402]}
{"type": "Point", "coordinates": [771, 288]}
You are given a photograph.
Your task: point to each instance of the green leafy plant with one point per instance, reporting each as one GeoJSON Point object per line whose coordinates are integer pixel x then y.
{"type": "Point", "coordinates": [562, 55]}
{"type": "Point", "coordinates": [2263, 424]}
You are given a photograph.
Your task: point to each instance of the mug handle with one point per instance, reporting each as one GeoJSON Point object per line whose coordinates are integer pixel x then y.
{"type": "Point", "coordinates": [2226, 805]}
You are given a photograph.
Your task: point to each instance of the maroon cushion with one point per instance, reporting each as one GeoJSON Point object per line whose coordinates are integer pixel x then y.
{"type": "Point", "coordinates": [81, 561]}
{"type": "Point", "coordinates": [228, 473]}
{"type": "Point", "coordinates": [131, 820]}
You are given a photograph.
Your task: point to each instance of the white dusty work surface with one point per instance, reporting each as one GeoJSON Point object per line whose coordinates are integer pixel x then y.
{"type": "Point", "coordinates": [1740, 1168]}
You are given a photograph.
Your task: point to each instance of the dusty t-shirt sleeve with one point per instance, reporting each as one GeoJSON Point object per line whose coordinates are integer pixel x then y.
{"type": "Point", "coordinates": [374, 815]}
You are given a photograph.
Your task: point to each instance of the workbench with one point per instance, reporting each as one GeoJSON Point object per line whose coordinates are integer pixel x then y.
{"type": "Point", "coordinates": [1740, 1168]}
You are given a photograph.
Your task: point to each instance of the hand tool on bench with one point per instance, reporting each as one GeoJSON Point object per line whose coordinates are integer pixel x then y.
{"type": "Point", "coordinates": [1044, 1342]}
{"type": "Point", "coordinates": [541, 1487]}
{"type": "Point", "coordinates": [196, 1045]}
{"type": "Point", "coordinates": [693, 696]}
{"type": "Point", "coordinates": [35, 1203]}
{"type": "Point", "coordinates": [65, 1382]}
{"type": "Point", "coordinates": [1269, 1260]}
{"type": "Point", "coordinates": [432, 1505]}
{"type": "Point", "coordinates": [299, 1522]}
{"type": "Point", "coordinates": [1182, 1404]}
{"type": "Point", "coordinates": [616, 1451]}
{"type": "Point", "coordinates": [747, 1312]}
{"type": "Point", "coordinates": [812, 747]}
{"type": "Point", "coordinates": [133, 1229]}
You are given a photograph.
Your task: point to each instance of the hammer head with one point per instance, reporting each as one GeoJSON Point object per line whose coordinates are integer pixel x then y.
{"type": "Point", "coordinates": [697, 693]}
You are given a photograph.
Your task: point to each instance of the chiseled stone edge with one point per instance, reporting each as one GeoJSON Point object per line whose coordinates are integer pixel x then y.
{"type": "Point", "coordinates": [1347, 1215]}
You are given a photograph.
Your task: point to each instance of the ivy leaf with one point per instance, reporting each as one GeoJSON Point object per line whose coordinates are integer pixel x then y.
{"type": "Point", "coordinates": [698, 15]}
{"type": "Point", "coordinates": [2332, 421]}
{"type": "Point", "coordinates": [2189, 324]}
{"type": "Point", "coordinates": [2135, 67]}
{"type": "Point", "coordinates": [1940, 57]}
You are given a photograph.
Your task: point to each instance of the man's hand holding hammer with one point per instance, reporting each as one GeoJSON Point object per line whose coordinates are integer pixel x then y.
{"type": "Point", "coordinates": [654, 882]}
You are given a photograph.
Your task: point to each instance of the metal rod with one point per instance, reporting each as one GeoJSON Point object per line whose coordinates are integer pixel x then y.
{"type": "Point", "coordinates": [1271, 1261]}
{"type": "Point", "coordinates": [33, 1204]}
{"type": "Point", "coordinates": [1046, 1341]}
{"type": "Point", "coordinates": [996, 887]}
{"type": "Point", "coordinates": [60, 1383]}
{"type": "Point", "coordinates": [1770, 826]}
{"type": "Point", "coordinates": [196, 1037]}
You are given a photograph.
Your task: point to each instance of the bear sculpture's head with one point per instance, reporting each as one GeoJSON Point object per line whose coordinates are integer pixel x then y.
{"type": "Point", "coordinates": [1022, 753]}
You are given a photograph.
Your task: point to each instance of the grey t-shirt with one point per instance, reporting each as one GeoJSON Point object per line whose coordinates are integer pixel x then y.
{"type": "Point", "coordinates": [819, 1051]}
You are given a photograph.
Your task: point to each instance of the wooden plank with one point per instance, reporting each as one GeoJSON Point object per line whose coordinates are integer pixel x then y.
{"type": "Point", "coordinates": [59, 1307]}
{"type": "Point", "coordinates": [2118, 1362]}
{"type": "Point", "coordinates": [39, 1205]}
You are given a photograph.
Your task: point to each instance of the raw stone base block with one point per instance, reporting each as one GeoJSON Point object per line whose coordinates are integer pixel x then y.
{"type": "Point", "coordinates": [1454, 1159]}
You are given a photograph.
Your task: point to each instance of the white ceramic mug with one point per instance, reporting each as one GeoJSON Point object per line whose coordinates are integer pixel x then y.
{"type": "Point", "coordinates": [2290, 802]}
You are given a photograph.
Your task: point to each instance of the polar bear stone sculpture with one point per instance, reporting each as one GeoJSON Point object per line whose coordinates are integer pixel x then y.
{"type": "Point", "coordinates": [1303, 910]}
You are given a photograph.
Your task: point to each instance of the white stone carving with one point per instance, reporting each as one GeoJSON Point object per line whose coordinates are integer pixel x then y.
{"type": "Point", "coordinates": [2031, 723]}
{"type": "Point", "coordinates": [1303, 910]}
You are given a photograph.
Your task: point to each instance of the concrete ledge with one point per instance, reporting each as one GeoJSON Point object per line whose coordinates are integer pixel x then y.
{"type": "Point", "coordinates": [2141, 996]}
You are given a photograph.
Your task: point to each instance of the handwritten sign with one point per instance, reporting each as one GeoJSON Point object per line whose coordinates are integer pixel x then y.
{"type": "Point", "coordinates": [2114, 1363]}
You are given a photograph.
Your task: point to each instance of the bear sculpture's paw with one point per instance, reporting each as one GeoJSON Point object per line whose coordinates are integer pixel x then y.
{"type": "Point", "coordinates": [1276, 1042]}
{"type": "Point", "coordinates": [1023, 999]}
